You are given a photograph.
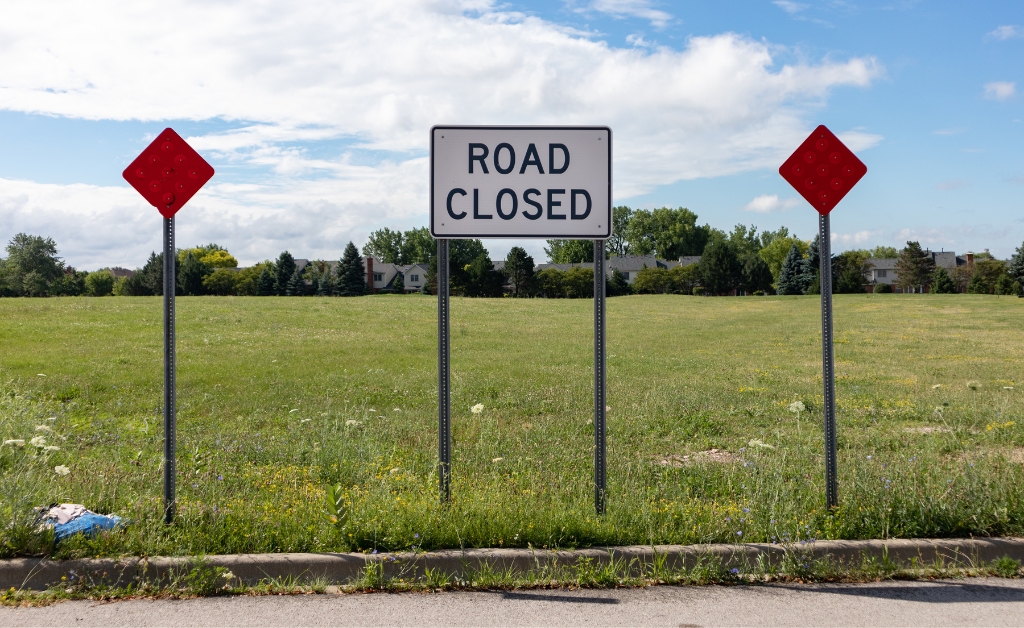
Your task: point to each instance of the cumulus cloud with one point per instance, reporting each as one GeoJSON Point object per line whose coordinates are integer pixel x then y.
{"type": "Point", "coordinates": [376, 76]}
{"type": "Point", "coordinates": [1000, 90]}
{"type": "Point", "coordinates": [858, 238]}
{"type": "Point", "coordinates": [1007, 31]}
{"type": "Point", "coordinates": [767, 203]}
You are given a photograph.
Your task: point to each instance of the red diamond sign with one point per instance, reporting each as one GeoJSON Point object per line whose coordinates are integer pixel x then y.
{"type": "Point", "coordinates": [823, 170]}
{"type": "Point", "coordinates": [168, 173]}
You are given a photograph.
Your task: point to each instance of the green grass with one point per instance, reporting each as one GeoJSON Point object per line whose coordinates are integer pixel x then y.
{"type": "Point", "coordinates": [281, 398]}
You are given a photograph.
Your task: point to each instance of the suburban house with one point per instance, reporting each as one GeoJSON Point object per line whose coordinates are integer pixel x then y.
{"type": "Point", "coordinates": [380, 276]}
{"type": "Point", "coordinates": [628, 265]}
{"type": "Point", "coordinates": [883, 269]}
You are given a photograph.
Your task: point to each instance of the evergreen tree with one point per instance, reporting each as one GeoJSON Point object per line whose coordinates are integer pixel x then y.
{"type": "Point", "coordinates": [519, 269]}
{"type": "Point", "coordinates": [1016, 268]}
{"type": "Point", "coordinates": [719, 268]}
{"type": "Point", "coordinates": [977, 285]}
{"type": "Point", "coordinates": [190, 279]}
{"type": "Point", "coordinates": [811, 274]}
{"type": "Point", "coordinates": [755, 274]}
{"type": "Point", "coordinates": [482, 280]}
{"type": "Point", "coordinates": [793, 273]}
{"type": "Point", "coordinates": [618, 284]}
{"type": "Point", "coordinates": [351, 273]}
{"type": "Point", "coordinates": [914, 267]}
{"type": "Point", "coordinates": [296, 285]}
{"type": "Point", "coordinates": [398, 284]}
{"type": "Point", "coordinates": [265, 283]}
{"type": "Point", "coordinates": [285, 268]}
{"type": "Point", "coordinates": [942, 283]}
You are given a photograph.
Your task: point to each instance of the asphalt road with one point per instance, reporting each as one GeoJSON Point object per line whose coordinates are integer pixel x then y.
{"type": "Point", "coordinates": [973, 602]}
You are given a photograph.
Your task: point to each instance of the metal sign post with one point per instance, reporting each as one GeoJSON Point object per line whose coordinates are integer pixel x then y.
{"type": "Point", "coordinates": [520, 182]}
{"type": "Point", "coordinates": [823, 170]}
{"type": "Point", "coordinates": [600, 394]}
{"type": "Point", "coordinates": [444, 400]}
{"type": "Point", "coordinates": [170, 386]}
{"type": "Point", "coordinates": [167, 174]}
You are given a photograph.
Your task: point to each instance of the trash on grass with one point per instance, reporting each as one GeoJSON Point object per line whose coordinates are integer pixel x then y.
{"type": "Point", "coordinates": [68, 519]}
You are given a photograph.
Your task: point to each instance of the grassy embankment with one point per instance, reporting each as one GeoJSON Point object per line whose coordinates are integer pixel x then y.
{"type": "Point", "coordinates": [278, 398]}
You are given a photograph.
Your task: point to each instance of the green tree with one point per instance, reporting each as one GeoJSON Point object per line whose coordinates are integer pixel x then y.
{"type": "Point", "coordinates": [851, 271]}
{"type": "Point", "coordinates": [884, 252]}
{"type": "Point", "coordinates": [190, 279]}
{"type": "Point", "coordinates": [667, 233]}
{"type": "Point", "coordinates": [418, 246]}
{"type": "Point", "coordinates": [914, 267]}
{"type": "Point", "coordinates": [570, 251]}
{"type": "Point", "coordinates": [99, 283]}
{"type": "Point", "coordinates": [1005, 285]}
{"type": "Point", "coordinates": [652, 281]}
{"type": "Point", "coordinates": [31, 265]}
{"type": "Point", "coordinates": [550, 283]}
{"type": "Point", "coordinates": [754, 274]}
{"type": "Point", "coordinates": [617, 244]}
{"type": "Point", "coordinates": [265, 281]}
{"type": "Point", "coordinates": [220, 282]}
{"type": "Point", "coordinates": [296, 286]}
{"type": "Point", "coordinates": [976, 285]}
{"type": "Point", "coordinates": [384, 245]}
{"type": "Point", "coordinates": [719, 268]}
{"type": "Point", "coordinates": [684, 278]}
{"type": "Point", "coordinates": [398, 284]}
{"type": "Point", "coordinates": [882, 288]}
{"type": "Point", "coordinates": [519, 270]}
{"type": "Point", "coordinates": [70, 284]}
{"type": "Point", "coordinates": [988, 270]}
{"type": "Point", "coordinates": [793, 275]}
{"type": "Point", "coordinates": [1016, 267]}
{"type": "Point", "coordinates": [284, 269]}
{"type": "Point", "coordinates": [578, 283]}
{"type": "Point", "coordinates": [481, 280]}
{"type": "Point", "coordinates": [744, 240]}
{"type": "Point", "coordinates": [351, 280]}
{"type": "Point", "coordinates": [942, 283]}
{"type": "Point", "coordinates": [219, 259]}
{"type": "Point", "coordinates": [775, 252]}
{"type": "Point", "coordinates": [618, 284]}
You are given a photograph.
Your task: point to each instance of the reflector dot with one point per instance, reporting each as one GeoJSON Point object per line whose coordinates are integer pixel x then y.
{"type": "Point", "coordinates": [180, 160]}
{"type": "Point", "coordinates": [154, 159]}
{"type": "Point", "coordinates": [810, 156]}
{"type": "Point", "coordinates": [167, 145]}
{"type": "Point", "coordinates": [835, 158]}
{"type": "Point", "coordinates": [168, 198]}
{"type": "Point", "coordinates": [822, 170]}
{"type": "Point", "coordinates": [140, 173]}
{"type": "Point", "coordinates": [837, 184]}
{"type": "Point", "coordinates": [810, 183]}
{"type": "Point", "coordinates": [193, 173]}
{"type": "Point", "coordinates": [848, 170]}
{"type": "Point", "coordinates": [168, 172]}
{"type": "Point", "coordinates": [821, 144]}
{"type": "Point", "coordinates": [155, 186]}
{"type": "Point", "coordinates": [180, 186]}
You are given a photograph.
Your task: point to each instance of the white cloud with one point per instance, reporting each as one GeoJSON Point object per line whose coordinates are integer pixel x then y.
{"type": "Point", "coordinates": [379, 75]}
{"type": "Point", "coordinates": [859, 238]}
{"type": "Point", "coordinates": [790, 7]}
{"type": "Point", "coordinates": [770, 203]}
{"type": "Point", "coordinates": [630, 8]}
{"type": "Point", "coordinates": [1000, 90]}
{"type": "Point", "coordinates": [1002, 33]}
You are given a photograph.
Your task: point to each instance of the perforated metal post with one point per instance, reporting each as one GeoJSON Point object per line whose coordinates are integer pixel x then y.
{"type": "Point", "coordinates": [170, 419]}
{"type": "Point", "coordinates": [444, 412]}
{"type": "Point", "coordinates": [828, 360]}
{"type": "Point", "coordinates": [600, 398]}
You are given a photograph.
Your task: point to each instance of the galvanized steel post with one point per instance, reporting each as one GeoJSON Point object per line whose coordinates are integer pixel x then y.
{"type": "Point", "coordinates": [444, 412]}
{"type": "Point", "coordinates": [170, 401]}
{"type": "Point", "coordinates": [828, 360]}
{"type": "Point", "coordinates": [600, 398]}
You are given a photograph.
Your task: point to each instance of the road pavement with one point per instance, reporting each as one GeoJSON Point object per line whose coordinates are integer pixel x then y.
{"type": "Point", "coordinates": [970, 602]}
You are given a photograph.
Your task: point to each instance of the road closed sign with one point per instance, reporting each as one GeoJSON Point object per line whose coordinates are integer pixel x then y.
{"type": "Point", "coordinates": [521, 182]}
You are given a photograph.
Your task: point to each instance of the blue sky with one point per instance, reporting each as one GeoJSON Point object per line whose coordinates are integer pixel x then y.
{"type": "Point", "coordinates": [316, 117]}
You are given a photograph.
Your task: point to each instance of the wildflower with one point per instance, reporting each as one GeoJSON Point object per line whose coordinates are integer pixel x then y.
{"type": "Point", "coordinates": [293, 410]}
{"type": "Point", "coordinates": [15, 442]}
{"type": "Point", "coordinates": [51, 448]}
{"type": "Point", "coordinates": [869, 457]}
{"type": "Point", "coordinates": [38, 441]}
{"type": "Point", "coordinates": [797, 407]}
{"type": "Point", "coordinates": [61, 470]}
{"type": "Point", "coordinates": [936, 386]}
{"type": "Point", "coordinates": [734, 570]}
{"type": "Point", "coordinates": [351, 422]}
{"type": "Point", "coordinates": [757, 442]}
{"type": "Point", "coordinates": [43, 428]}
{"type": "Point", "coordinates": [397, 409]}
{"type": "Point", "coordinates": [739, 532]}
{"type": "Point", "coordinates": [374, 552]}
{"type": "Point", "coordinates": [498, 459]}
{"type": "Point", "coordinates": [416, 536]}
{"type": "Point", "coordinates": [478, 408]}
{"type": "Point", "coordinates": [220, 477]}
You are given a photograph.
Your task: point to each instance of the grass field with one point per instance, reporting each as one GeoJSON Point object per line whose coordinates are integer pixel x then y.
{"type": "Point", "coordinates": [280, 398]}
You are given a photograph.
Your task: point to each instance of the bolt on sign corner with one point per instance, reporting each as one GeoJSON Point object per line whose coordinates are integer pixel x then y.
{"type": "Point", "coordinates": [521, 182]}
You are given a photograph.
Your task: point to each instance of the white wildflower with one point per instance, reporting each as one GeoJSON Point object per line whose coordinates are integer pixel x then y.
{"type": "Point", "coordinates": [498, 459]}
{"type": "Point", "coordinates": [757, 442]}
{"type": "Point", "coordinates": [15, 442]}
{"type": "Point", "coordinates": [372, 410]}
{"type": "Point", "coordinates": [478, 408]}
{"type": "Point", "coordinates": [38, 441]}
{"type": "Point", "coordinates": [936, 386]}
{"type": "Point", "coordinates": [51, 448]}
{"type": "Point", "coordinates": [61, 470]}
{"type": "Point", "coordinates": [1007, 387]}
{"type": "Point", "coordinates": [40, 374]}
{"type": "Point", "coordinates": [395, 470]}
{"type": "Point", "coordinates": [797, 407]}
{"type": "Point", "coordinates": [43, 428]}
{"type": "Point", "coordinates": [293, 410]}
{"type": "Point", "coordinates": [351, 422]}
{"type": "Point", "coordinates": [397, 410]}
{"type": "Point", "coordinates": [304, 420]}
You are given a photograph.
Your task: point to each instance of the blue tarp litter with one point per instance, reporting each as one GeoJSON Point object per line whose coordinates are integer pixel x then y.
{"type": "Point", "coordinates": [69, 519]}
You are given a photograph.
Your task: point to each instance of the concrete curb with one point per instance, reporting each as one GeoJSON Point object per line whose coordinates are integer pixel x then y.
{"type": "Point", "coordinates": [40, 573]}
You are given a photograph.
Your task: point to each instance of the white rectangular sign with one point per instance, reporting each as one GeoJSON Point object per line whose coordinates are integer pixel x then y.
{"type": "Point", "coordinates": [521, 182]}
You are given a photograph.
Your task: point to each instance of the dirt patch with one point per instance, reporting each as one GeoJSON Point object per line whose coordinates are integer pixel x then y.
{"type": "Point", "coordinates": [676, 461]}
{"type": "Point", "coordinates": [1017, 455]}
{"type": "Point", "coordinates": [927, 429]}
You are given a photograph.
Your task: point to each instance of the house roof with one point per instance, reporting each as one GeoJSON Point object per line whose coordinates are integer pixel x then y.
{"type": "Point", "coordinates": [633, 263]}
{"type": "Point", "coordinates": [882, 263]}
